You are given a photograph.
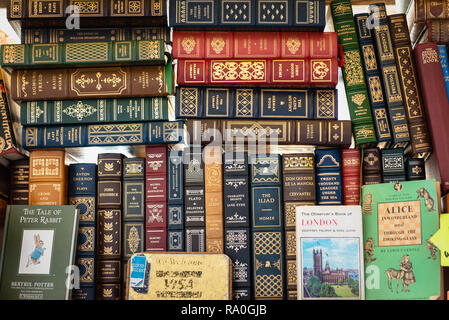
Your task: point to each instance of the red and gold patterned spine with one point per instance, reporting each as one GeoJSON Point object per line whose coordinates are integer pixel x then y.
{"type": "Point", "coordinates": [351, 160]}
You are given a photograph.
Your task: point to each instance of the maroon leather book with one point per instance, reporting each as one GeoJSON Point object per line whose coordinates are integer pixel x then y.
{"type": "Point", "coordinates": [156, 215]}
{"type": "Point", "coordinates": [351, 160]}
{"type": "Point", "coordinates": [156, 239]}
{"type": "Point", "coordinates": [435, 103]}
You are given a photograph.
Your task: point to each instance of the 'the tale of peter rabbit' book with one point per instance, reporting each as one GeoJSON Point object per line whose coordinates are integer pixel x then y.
{"type": "Point", "coordinates": [398, 221]}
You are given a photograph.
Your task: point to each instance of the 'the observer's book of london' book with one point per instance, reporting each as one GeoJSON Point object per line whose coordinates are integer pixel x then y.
{"type": "Point", "coordinates": [39, 244]}
{"type": "Point", "coordinates": [398, 221]}
{"type": "Point", "coordinates": [329, 246]}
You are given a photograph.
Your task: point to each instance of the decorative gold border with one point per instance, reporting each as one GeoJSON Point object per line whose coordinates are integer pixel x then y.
{"type": "Point", "coordinates": [207, 102]}
{"type": "Point", "coordinates": [306, 107]}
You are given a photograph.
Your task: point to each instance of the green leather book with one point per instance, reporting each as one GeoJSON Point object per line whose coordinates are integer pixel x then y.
{"type": "Point", "coordinates": [353, 74]}
{"type": "Point", "coordinates": [39, 245]}
{"type": "Point", "coordinates": [398, 221]}
{"type": "Point", "coordinates": [17, 56]}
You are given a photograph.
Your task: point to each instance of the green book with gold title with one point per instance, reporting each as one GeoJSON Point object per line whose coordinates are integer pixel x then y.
{"type": "Point", "coordinates": [38, 253]}
{"type": "Point", "coordinates": [398, 221]}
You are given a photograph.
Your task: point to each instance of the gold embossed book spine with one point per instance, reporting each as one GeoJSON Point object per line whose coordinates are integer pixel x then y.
{"type": "Point", "coordinates": [109, 226]}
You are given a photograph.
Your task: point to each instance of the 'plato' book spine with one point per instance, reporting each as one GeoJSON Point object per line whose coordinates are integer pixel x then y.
{"type": "Point", "coordinates": [98, 82]}
{"type": "Point", "coordinates": [328, 177]}
{"type": "Point", "coordinates": [20, 180]}
{"type": "Point", "coordinates": [351, 166]}
{"type": "Point", "coordinates": [156, 198]}
{"type": "Point", "coordinates": [86, 111]}
{"type": "Point", "coordinates": [82, 195]}
{"type": "Point", "coordinates": [109, 226]}
{"type": "Point", "coordinates": [353, 74]}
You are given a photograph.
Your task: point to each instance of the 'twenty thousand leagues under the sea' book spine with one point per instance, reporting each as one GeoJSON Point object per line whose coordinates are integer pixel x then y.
{"type": "Point", "coordinates": [38, 246]}
{"type": "Point", "coordinates": [398, 221]}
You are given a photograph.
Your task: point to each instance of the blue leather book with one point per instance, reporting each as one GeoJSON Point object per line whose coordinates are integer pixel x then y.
{"type": "Point", "coordinates": [133, 189]}
{"type": "Point", "coordinates": [238, 248]}
{"type": "Point", "coordinates": [175, 240]}
{"type": "Point", "coordinates": [218, 102]}
{"type": "Point", "coordinates": [175, 178]}
{"type": "Point", "coordinates": [416, 169]}
{"type": "Point", "coordinates": [328, 177]}
{"type": "Point", "coordinates": [175, 216]}
{"type": "Point", "coordinates": [103, 135]}
{"type": "Point", "coordinates": [444, 60]}
{"type": "Point", "coordinates": [286, 103]}
{"type": "Point", "coordinates": [265, 170]}
{"type": "Point", "coordinates": [191, 13]}
{"type": "Point", "coordinates": [325, 104]}
{"type": "Point", "coordinates": [82, 179]}
{"type": "Point", "coordinates": [189, 102]}
{"type": "Point", "coordinates": [247, 104]}
{"type": "Point", "coordinates": [84, 293]}
{"type": "Point", "coordinates": [133, 238]}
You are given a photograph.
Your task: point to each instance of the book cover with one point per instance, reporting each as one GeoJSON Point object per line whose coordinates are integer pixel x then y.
{"type": "Point", "coordinates": [330, 252]}
{"type": "Point", "coordinates": [39, 244]}
{"type": "Point", "coordinates": [398, 221]}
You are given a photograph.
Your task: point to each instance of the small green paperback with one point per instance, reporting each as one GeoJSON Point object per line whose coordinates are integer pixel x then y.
{"type": "Point", "coordinates": [38, 252]}
{"type": "Point", "coordinates": [398, 221]}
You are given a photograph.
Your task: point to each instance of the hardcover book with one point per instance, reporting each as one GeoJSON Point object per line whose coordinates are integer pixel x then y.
{"type": "Point", "coordinates": [19, 183]}
{"type": "Point", "coordinates": [351, 166]}
{"type": "Point", "coordinates": [398, 221]}
{"type": "Point", "coordinates": [328, 177]}
{"type": "Point", "coordinates": [39, 245]}
{"type": "Point", "coordinates": [444, 60]}
{"type": "Point", "coordinates": [330, 259]}
{"type": "Point", "coordinates": [416, 169]}
{"type": "Point", "coordinates": [372, 166]}
{"type": "Point", "coordinates": [393, 165]}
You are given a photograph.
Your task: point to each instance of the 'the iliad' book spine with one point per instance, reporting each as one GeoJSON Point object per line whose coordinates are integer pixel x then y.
{"type": "Point", "coordinates": [436, 103]}
{"type": "Point", "coordinates": [48, 178]}
{"type": "Point", "coordinates": [82, 195]}
{"type": "Point", "coordinates": [267, 227]}
{"type": "Point", "coordinates": [328, 177]}
{"type": "Point", "coordinates": [298, 177]}
{"type": "Point", "coordinates": [156, 198]}
{"type": "Point", "coordinates": [351, 166]}
{"type": "Point", "coordinates": [20, 179]}
{"type": "Point", "coordinates": [109, 226]}
{"type": "Point", "coordinates": [414, 109]}
{"type": "Point", "coordinates": [175, 201]}
{"type": "Point", "coordinates": [372, 166]}
{"type": "Point", "coordinates": [237, 222]}
{"type": "Point", "coordinates": [102, 82]}
{"type": "Point", "coordinates": [390, 75]}
{"type": "Point", "coordinates": [213, 191]}
{"type": "Point", "coordinates": [444, 60]}
{"type": "Point", "coordinates": [353, 74]}
{"type": "Point", "coordinates": [373, 81]}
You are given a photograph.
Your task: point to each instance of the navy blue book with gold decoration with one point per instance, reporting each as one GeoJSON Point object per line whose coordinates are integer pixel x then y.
{"type": "Point", "coordinates": [328, 177]}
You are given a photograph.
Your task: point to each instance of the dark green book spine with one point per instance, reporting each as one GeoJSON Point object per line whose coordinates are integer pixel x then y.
{"type": "Point", "coordinates": [41, 113]}
{"type": "Point", "coordinates": [353, 74]}
{"type": "Point", "coordinates": [390, 75]}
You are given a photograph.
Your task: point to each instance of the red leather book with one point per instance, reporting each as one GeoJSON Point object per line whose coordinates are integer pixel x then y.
{"type": "Point", "coordinates": [156, 239]}
{"type": "Point", "coordinates": [254, 45]}
{"type": "Point", "coordinates": [322, 72]}
{"type": "Point", "coordinates": [351, 160]}
{"type": "Point", "coordinates": [156, 215]}
{"type": "Point", "coordinates": [435, 103]}
{"type": "Point", "coordinates": [156, 160]}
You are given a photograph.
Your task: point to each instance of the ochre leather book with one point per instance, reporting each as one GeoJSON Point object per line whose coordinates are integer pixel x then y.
{"type": "Point", "coordinates": [103, 82]}
{"type": "Point", "coordinates": [317, 72]}
{"type": "Point", "coordinates": [414, 109]}
{"type": "Point", "coordinates": [351, 166]}
{"type": "Point", "coordinates": [435, 103]}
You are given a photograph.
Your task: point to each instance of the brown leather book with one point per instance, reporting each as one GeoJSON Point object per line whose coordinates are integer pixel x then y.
{"type": "Point", "coordinates": [48, 178]}
{"type": "Point", "coordinates": [105, 82]}
{"type": "Point", "coordinates": [213, 186]}
{"type": "Point", "coordinates": [414, 109]}
{"type": "Point", "coordinates": [372, 167]}
{"type": "Point", "coordinates": [435, 103]}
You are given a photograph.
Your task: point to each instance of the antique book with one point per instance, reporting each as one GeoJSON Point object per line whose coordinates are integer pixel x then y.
{"type": "Point", "coordinates": [40, 36]}
{"type": "Point", "coordinates": [444, 60]}
{"type": "Point", "coordinates": [80, 54]}
{"type": "Point", "coordinates": [98, 82]}
{"type": "Point", "coordinates": [82, 191]}
{"type": "Point", "coordinates": [109, 226]}
{"type": "Point", "coordinates": [391, 75]}
{"type": "Point", "coordinates": [408, 78]}
{"type": "Point", "coordinates": [435, 100]}
{"type": "Point", "coordinates": [254, 15]}
{"type": "Point", "coordinates": [416, 169]}
{"type": "Point", "coordinates": [20, 180]}
{"type": "Point", "coordinates": [86, 111]}
{"type": "Point", "coordinates": [329, 186]}
{"type": "Point", "coordinates": [350, 169]}
{"type": "Point", "coordinates": [372, 166]}
{"type": "Point", "coordinates": [175, 201]}
{"type": "Point", "coordinates": [393, 165]}
{"type": "Point", "coordinates": [254, 45]}
{"type": "Point", "coordinates": [213, 198]}
{"type": "Point", "coordinates": [299, 187]}
{"type": "Point", "coordinates": [48, 178]}
{"type": "Point", "coordinates": [437, 31]}
{"type": "Point", "coordinates": [169, 276]}
{"type": "Point", "coordinates": [310, 72]}
{"type": "Point", "coordinates": [398, 221]}
{"type": "Point", "coordinates": [69, 136]}
{"type": "Point", "coordinates": [373, 81]}
{"type": "Point", "coordinates": [330, 252]}
{"type": "Point", "coordinates": [39, 243]}
{"type": "Point", "coordinates": [268, 275]}
{"type": "Point", "coordinates": [353, 74]}
{"type": "Point", "coordinates": [156, 198]}
{"type": "Point", "coordinates": [195, 239]}
{"type": "Point", "coordinates": [426, 10]}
